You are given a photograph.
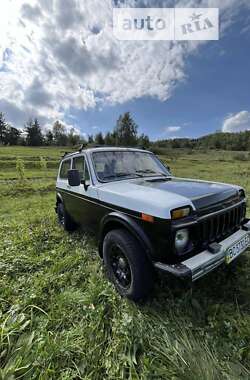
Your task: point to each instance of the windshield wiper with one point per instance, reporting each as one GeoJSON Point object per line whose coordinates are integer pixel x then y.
{"type": "Point", "coordinates": [148, 171]}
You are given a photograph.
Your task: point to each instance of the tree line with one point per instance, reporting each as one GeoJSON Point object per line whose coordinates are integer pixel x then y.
{"type": "Point", "coordinates": [125, 133]}
{"type": "Point", "coordinates": [222, 141]}
{"type": "Point", "coordinates": [33, 135]}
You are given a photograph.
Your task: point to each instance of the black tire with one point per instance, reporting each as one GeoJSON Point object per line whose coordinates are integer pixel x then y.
{"type": "Point", "coordinates": [133, 275]}
{"type": "Point", "coordinates": [64, 219]}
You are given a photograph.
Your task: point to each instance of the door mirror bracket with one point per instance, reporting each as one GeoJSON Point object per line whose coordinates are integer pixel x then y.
{"type": "Point", "coordinates": [85, 183]}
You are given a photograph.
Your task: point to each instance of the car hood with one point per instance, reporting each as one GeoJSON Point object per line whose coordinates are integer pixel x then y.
{"type": "Point", "coordinates": [158, 196]}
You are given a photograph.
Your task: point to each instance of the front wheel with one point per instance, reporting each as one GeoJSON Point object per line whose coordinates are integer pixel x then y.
{"type": "Point", "coordinates": [127, 265]}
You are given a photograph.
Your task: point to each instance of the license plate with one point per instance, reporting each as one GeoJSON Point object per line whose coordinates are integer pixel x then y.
{"type": "Point", "coordinates": [237, 248]}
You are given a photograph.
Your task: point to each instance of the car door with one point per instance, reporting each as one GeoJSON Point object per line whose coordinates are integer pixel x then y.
{"type": "Point", "coordinates": [84, 205]}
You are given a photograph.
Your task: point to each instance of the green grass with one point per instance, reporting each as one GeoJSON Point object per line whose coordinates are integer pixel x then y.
{"type": "Point", "coordinates": [61, 319]}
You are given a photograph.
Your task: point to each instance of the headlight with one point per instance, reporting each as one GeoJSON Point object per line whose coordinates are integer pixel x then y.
{"type": "Point", "coordinates": [181, 239]}
{"type": "Point", "coordinates": [180, 212]}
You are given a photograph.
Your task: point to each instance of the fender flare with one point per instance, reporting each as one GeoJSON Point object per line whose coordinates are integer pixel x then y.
{"type": "Point", "coordinates": [59, 199]}
{"type": "Point", "coordinates": [131, 225]}
{"type": "Point", "coordinates": [59, 196]}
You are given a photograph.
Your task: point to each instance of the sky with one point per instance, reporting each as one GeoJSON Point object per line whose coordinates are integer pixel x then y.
{"type": "Point", "coordinates": [60, 60]}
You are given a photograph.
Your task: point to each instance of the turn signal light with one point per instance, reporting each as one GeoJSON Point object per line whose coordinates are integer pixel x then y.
{"type": "Point", "coordinates": [180, 213]}
{"type": "Point", "coordinates": [147, 218]}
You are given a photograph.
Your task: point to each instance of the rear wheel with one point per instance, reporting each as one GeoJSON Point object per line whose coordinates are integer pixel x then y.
{"type": "Point", "coordinates": [64, 219]}
{"type": "Point", "coordinates": [127, 265]}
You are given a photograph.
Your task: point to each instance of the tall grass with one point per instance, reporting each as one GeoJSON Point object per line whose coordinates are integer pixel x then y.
{"type": "Point", "coordinates": [60, 318]}
{"type": "Point", "coordinates": [16, 341]}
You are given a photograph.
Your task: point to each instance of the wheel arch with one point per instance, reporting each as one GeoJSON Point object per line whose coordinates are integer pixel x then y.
{"type": "Point", "coordinates": [59, 198]}
{"type": "Point", "coordinates": [116, 220]}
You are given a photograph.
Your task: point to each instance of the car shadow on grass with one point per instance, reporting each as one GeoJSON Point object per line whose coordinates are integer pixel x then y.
{"type": "Point", "coordinates": [228, 287]}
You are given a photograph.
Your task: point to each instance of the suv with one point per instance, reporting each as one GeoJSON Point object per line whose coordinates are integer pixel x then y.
{"type": "Point", "coordinates": [146, 219]}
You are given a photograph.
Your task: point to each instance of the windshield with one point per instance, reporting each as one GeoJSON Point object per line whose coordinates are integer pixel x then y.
{"type": "Point", "coordinates": [115, 165]}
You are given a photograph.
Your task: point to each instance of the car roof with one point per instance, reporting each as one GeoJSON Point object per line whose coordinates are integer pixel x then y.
{"type": "Point", "coordinates": [104, 149]}
{"type": "Point", "coordinates": [115, 148]}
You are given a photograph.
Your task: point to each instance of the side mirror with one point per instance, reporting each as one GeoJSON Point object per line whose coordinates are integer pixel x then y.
{"type": "Point", "coordinates": [74, 177]}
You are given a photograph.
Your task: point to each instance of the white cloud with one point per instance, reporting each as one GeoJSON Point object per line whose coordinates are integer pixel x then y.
{"type": "Point", "coordinates": [172, 129]}
{"type": "Point", "coordinates": [237, 122]}
{"type": "Point", "coordinates": [59, 56]}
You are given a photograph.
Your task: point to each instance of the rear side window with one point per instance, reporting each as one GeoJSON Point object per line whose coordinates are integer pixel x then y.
{"type": "Point", "coordinates": [64, 169]}
{"type": "Point", "coordinates": [79, 163]}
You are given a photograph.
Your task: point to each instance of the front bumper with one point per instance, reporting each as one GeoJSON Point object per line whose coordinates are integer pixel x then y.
{"type": "Point", "coordinates": [203, 263]}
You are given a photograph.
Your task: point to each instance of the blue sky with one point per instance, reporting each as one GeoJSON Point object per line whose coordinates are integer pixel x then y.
{"type": "Point", "coordinates": [70, 67]}
{"type": "Point", "coordinates": [217, 85]}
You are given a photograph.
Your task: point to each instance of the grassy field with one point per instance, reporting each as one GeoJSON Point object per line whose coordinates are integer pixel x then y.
{"type": "Point", "coordinates": [61, 319]}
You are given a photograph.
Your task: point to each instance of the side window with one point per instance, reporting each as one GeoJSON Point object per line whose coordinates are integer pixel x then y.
{"type": "Point", "coordinates": [64, 169]}
{"type": "Point", "coordinates": [79, 163]}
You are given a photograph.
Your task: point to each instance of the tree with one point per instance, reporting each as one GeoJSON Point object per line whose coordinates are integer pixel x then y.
{"type": "Point", "coordinates": [73, 138]}
{"type": "Point", "coordinates": [143, 141]}
{"type": "Point", "coordinates": [90, 139]}
{"type": "Point", "coordinates": [176, 143]}
{"type": "Point", "coordinates": [109, 139]}
{"type": "Point", "coordinates": [3, 128]}
{"type": "Point", "coordinates": [126, 130]}
{"type": "Point", "coordinates": [59, 132]}
{"type": "Point", "coordinates": [12, 135]}
{"type": "Point", "coordinates": [99, 140]}
{"type": "Point", "coordinates": [34, 133]}
{"type": "Point", "coordinates": [49, 138]}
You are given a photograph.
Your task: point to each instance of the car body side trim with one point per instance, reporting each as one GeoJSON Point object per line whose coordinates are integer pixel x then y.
{"type": "Point", "coordinates": [97, 201]}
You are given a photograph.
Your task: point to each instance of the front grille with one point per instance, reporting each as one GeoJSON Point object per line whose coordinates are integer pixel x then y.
{"type": "Point", "coordinates": [217, 227]}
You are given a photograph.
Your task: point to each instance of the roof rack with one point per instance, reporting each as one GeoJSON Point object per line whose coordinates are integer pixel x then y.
{"type": "Point", "coordinates": [100, 146]}
{"type": "Point", "coordinates": [116, 146]}
{"type": "Point", "coordinates": [84, 146]}
{"type": "Point", "coordinates": [66, 154]}
{"type": "Point", "coordinates": [69, 154]}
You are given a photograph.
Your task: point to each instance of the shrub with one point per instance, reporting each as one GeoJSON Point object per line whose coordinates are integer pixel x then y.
{"type": "Point", "coordinates": [20, 169]}
{"type": "Point", "coordinates": [240, 157]}
{"type": "Point", "coordinates": [43, 163]}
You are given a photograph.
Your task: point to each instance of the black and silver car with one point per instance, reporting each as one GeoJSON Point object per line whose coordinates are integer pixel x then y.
{"type": "Point", "coordinates": [146, 219]}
